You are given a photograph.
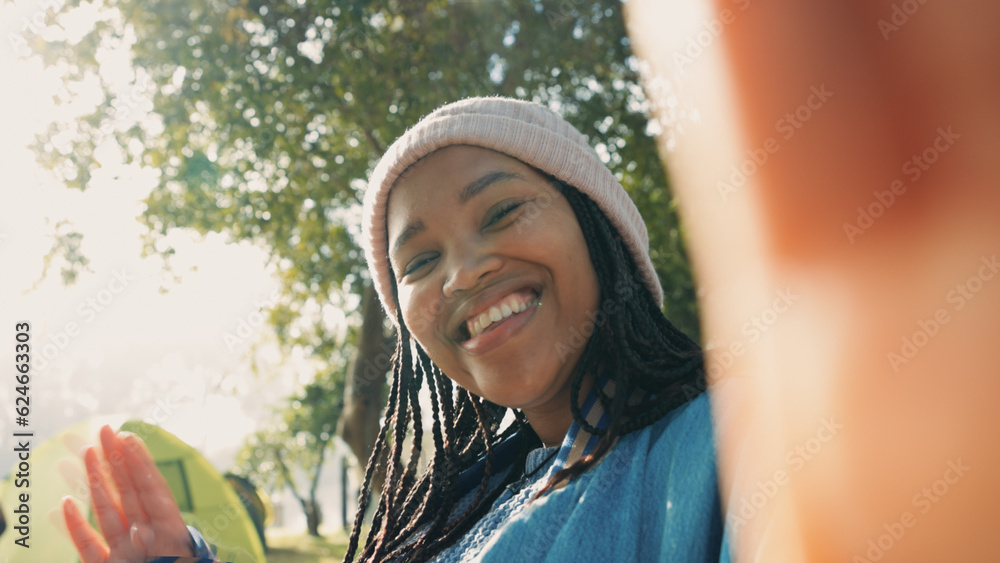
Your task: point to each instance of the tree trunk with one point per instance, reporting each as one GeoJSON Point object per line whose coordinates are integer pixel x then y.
{"type": "Point", "coordinates": [343, 494]}
{"type": "Point", "coordinates": [314, 516]}
{"type": "Point", "coordinates": [367, 377]}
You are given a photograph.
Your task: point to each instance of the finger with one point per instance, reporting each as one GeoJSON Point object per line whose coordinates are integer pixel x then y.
{"type": "Point", "coordinates": [143, 537]}
{"type": "Point", "coordinates": [115, 456]}
{"type": "Point", "coordinates": [74, 442]}
{"type": "Point", "coordinates": [165, 528]}
{"type": "Point", "coordinates": [75, 476]}
{"type": "Point", "coordinates": [88, 542]}
{"type": "Point", "coordinates": [57, 520]}
{"type": "Point", "coordinates": [108, 512]}
{"type": "Point", "coordinates": [153, 491]}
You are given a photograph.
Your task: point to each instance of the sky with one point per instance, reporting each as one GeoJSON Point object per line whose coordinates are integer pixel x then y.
{"type": "Point", "coordinates": [125, 340]}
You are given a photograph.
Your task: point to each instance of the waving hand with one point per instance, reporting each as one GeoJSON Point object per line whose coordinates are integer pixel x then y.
{"type": "Point", "coordinates": [137, 514]}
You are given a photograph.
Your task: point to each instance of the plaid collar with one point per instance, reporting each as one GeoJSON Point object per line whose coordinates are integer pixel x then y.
{"type": "Point", "coordinates": [576, 444]}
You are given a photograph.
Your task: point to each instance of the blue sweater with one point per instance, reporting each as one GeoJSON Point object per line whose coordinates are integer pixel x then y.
{"type": "Point", "coordinates": [654, 497]}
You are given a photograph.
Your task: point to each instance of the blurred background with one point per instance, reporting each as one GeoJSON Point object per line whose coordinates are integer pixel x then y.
{"type": "Point", "coordinates": [181, 188]}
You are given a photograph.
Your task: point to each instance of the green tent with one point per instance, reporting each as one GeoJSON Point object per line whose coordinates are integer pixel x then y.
{"type": "Point", "coordinates": [205, 498]}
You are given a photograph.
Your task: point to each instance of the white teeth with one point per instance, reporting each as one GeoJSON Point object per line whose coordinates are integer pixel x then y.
{"type": "Point", "coordinates": [510, 306]}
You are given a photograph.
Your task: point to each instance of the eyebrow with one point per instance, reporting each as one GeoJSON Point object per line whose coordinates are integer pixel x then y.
{"type": "Point", "coordinates": [468, 192]}
{"type": "Point", "coordinates": [411, 230]}
{"type": "Point", "coordinates": [485, 181]}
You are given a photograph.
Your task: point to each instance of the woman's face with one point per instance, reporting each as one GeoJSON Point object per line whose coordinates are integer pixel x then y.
{"type": "Point", "coordinates": [493, 275]}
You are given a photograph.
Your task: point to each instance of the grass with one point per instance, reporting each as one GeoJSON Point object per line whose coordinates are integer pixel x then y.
{"type": "Point", "coordinates": [303, 548]}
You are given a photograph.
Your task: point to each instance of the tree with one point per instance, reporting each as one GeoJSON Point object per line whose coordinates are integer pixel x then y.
{"type": "Point", "coordinates": [292, 450]}
{"type": "Point", "coordinates": [267, 117]}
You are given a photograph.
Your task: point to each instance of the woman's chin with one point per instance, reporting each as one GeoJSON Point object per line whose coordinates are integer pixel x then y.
{"type": "Point", "coordinates": [522, 392]}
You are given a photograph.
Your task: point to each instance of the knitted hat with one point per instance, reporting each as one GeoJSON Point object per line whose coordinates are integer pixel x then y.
{"type": "Point", "coordinates": [523, 130]}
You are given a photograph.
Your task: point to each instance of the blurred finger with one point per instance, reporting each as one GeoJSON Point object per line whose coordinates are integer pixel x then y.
{"type": "Point", "coordinates": [109, 514]}
{"type": "Point", "coordinates": [57, 520]}
{"type": "Point", "coordinates": [114, 454]}
{"type": "Point", "coordinates": [165, 528]}
{"type": "Point", "coordinates": [142, 537]}
{"type": "Point", "coordinates": [88, 542]}
{"type": "Point", "coordinates": [74, 442]}
{"type": "Point", "coordinates": [153, 491]}
{"type": "Point", "coordinates": [75, 475]}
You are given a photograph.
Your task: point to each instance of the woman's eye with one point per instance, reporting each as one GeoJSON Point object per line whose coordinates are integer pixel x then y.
{"type": "Point", "coordinates": [503, 211]}
{"type": "Point", "coordinates": [416, 264]}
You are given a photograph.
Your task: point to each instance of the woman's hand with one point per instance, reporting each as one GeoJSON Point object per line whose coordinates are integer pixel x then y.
{"type": "Point", "coordinates": [837, 172]}
{"type": "Point", "coordinates": [137, 513]}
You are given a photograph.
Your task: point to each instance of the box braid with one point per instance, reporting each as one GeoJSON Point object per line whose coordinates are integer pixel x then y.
{"type": "Point", "coordinates": [634, 345]}
{"type": "Point", "coordinates": [411, 520]}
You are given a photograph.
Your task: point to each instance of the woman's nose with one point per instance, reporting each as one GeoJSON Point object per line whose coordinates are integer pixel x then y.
{"type": "Point", "coordinates": [469, 265]}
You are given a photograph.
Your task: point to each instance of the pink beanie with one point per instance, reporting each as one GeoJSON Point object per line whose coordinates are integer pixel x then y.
{"type": "Point", "coordinates": [523, 130]}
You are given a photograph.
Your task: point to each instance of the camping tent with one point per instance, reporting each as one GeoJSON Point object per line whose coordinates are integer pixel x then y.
{"type": "Point", "coordinates": [205, 498]}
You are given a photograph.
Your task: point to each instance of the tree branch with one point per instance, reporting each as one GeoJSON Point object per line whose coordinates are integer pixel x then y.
{"type": "Point", "coordinates": [288, 477]}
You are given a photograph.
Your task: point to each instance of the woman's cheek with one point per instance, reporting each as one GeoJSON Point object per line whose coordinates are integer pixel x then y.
{"type": "Point", "coordinates": [423, 313]}
{"type": "Point", "coordinates": [408, 300]}
{"type": "Point", "coordinates": [533, 211]}
{"type": "Point", "coordinates": [418, 326]}
{"type": "Point", "coordinates": [523, 224]}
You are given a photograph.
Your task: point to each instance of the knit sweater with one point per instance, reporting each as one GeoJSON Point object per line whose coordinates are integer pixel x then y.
{"type": "Point", "coordinates": [653, 497]}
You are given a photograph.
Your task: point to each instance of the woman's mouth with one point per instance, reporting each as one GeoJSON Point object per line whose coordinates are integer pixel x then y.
{"type": "Point", "coordinates": [503, 319]}
{"type": "Point", "coordinates": [511, 305]}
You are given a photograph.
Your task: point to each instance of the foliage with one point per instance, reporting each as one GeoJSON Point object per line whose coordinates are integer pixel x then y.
{"type": "Point", "coordinates": [66, 250]}
{"type": "Point", "coordinates": [270, 115]}
{"type": "Point", "coordinates": [292, 449]}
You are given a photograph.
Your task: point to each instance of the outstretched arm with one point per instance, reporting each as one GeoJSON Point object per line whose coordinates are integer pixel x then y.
{"type": "Point", "coordinates": [837, 173]}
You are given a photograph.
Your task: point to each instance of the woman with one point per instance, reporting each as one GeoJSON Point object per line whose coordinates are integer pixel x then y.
{"type": "Point", "coordinates": [514, 265]}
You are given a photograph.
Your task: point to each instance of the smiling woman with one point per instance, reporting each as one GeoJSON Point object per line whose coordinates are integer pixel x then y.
{"type": "Point", "coordinates": [567, 413]}
{"type": "Point", "coordinates": [496, 238]}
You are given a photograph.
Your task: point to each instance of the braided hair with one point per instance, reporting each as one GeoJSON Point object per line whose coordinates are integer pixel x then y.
{"type": "Point", "coordinates": [632, 343]}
